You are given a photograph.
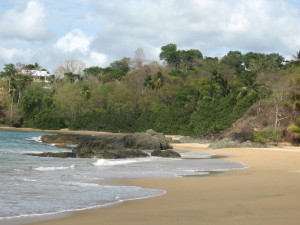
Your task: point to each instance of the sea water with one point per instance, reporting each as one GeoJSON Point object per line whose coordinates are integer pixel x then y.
{"type": "Point", "coordinates": [32, 187]}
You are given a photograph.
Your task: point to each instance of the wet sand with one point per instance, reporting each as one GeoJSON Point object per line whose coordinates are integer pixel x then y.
{"type": "Point", "coordinates": [268, 192]}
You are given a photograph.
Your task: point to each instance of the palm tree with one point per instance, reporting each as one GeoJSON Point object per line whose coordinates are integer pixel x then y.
{"type": "Point", "coordinates": [158, 80]}
{"type": "Point", "coordinates": [149, 83]}
{"type": "Point", "coordinates": [85, 91]}
{"type": "Point", "coordinates": [248, 84]}
{"type": "Point", "coordinates": [297, 57]}
{"type": "Point", "coordinates": [10, 73]}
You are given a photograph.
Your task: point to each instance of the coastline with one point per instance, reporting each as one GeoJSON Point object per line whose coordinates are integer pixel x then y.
{"type": "Point", "coordinates": [62, 131]}
{"type": "Point", "coordinates": [267, 192]}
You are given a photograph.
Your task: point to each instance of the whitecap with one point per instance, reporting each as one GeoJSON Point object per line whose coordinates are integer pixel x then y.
{"type": "Point", "coordinates": [53, 168]}
{"type": "Point", "coordinates": [116, 162]}
{"type": "Point", "coordinates": [111, 162]}
{"type": "Point", "coordinates": [37, 139]}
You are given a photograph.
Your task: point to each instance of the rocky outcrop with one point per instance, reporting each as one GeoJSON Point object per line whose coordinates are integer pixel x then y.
{"type": "Point", "coordinates": [106, 149]}
{"type": "Point", "coordinates": [235, 144]}
{"type": "Point", "coordinates": [149, 140]}
{"type": "Point", "coordinates": [243, 139]}
{"type": "Point", "coordinates": [200, 139]}
{"type": "Point", "coordinates": [54, 154]}
{"type": "Point", "coordinates": [166, 153]}
{"type": "Point", "coordinates": [66, 138]}
{"type": "Point", "coordinates": [113, 147]}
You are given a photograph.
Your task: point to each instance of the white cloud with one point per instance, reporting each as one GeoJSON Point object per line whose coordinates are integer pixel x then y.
{"type": "Point", "coordinates": [29, 24]}
{"type": "Point", "coordinates": [76, 40]}
{"type": "Point", "coordinates": [99, 32]}
{"type": "Point", "coordinates": [257, 25]}
{"type": "Point", "coordinates": [8, 55]}
{"type": "Point", "coordinates": [96, 59]}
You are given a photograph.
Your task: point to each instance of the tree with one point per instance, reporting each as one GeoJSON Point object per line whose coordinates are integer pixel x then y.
{"type": "Point", "coordinates": [38, 108]}
{"type": "Point", "coordinates": [85, 91]}
{"type": "Point", "coordinates": [297, 57]}
{"type": "Point", "coordinates": [261, 62]}
{"type": "Point", "coordinates": [155, 82]}
{"type": "Point", "coordinates": [234, 59]}
{"type": "Point", "coordinates": [72, 77]}
{"type": "Point", "coordinates": [69, 66]}
{"type": "Point", "coordinates": [120, 68]}
{"type": "Point", "coordinates": [185, 59]}
{"type": "Point", "coordinates": [93, 71]}
{"type": "Point", "coordinates": [139, 58]}
{"type": "Point", "coordinates": [190, 58]}
{"type": "Point", "coordinates": [170, 55]}
{"type": "Point", "coordinates": [246, 83]}
{"type": "Point", "coordinates": [10, 73]}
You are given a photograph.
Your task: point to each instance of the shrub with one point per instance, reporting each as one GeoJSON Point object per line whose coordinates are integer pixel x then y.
{"type": "Point", "coordinates": [270, 135]}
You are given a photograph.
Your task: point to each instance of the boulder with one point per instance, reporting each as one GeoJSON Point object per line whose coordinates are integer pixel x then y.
{"type": "Point", "coordinates": [106, 149]}
{"type": "Point", "coordinates": [242, 136]}
{"type": "Point", "coordinates": [166, 153]}
{"type": "Point", "coordinates": [149, 140]}
{"type": "Point", "coordinates": [113, 147]}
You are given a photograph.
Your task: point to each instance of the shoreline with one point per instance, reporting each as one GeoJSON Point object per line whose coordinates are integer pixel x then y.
{"type": "Point", "coordinates": [265, 193]}
{"type": "Point", "coordinates": [61, 131]}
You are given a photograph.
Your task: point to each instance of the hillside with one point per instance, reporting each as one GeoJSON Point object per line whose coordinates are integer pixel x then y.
{"type": "Point", "coordinates": [189, 94]}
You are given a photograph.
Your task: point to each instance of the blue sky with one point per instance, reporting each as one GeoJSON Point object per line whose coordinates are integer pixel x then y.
{"type": "Point", "coordinates": [97, 32]}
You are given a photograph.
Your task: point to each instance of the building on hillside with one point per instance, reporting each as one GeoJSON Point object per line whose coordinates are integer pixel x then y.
{"type": "Point", "coordinates": [38, 75]}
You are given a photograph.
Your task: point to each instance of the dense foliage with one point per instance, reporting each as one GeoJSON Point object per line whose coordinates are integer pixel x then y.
{"type": "Point", "coordinates": [189, 94]}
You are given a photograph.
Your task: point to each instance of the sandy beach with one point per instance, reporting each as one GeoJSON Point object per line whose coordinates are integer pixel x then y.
{"type": "Point", "coordinates": [268, 192]}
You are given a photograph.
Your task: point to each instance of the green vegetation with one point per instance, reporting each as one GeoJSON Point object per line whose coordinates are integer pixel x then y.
{"type": "Point", "coordinates": [294, 128]}
{"type": "Point", "coordinates": [189, 94]}
{"type": "Point", "coordinates": [269, 135]}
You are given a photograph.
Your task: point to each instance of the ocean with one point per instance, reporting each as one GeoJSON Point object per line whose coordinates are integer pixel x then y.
{"type": "Point", "coordinates": [32, 187]}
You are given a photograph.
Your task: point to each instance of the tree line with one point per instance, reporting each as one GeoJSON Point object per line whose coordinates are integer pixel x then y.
{"type": "Point", "coordinates": [187, 94]}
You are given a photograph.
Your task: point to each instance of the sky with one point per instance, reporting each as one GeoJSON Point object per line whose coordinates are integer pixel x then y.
{"type": "Point", "coordinates": [98, 32]}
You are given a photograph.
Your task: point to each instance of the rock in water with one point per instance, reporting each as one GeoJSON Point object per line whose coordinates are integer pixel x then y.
{"type": "Point", "coordinates": [149, 140]}
{"type": "Point", "coordinates": [166, 153]}
{"type": "Point", "coordinates": [112, 147]}
{"type": "Point", "coordinates": [106, 150]}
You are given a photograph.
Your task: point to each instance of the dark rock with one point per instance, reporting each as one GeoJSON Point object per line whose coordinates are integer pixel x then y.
{"type": "Point", "coordinates": [64, 138]}
{"type": "Point", "coordinates": [240, 137]}
{"type": "Point", "coordinates": [149, 140]}
{"type": "Point", "coordinates": [110, 146]}
{"type": "Point", "coordinates": [63, 146]}
{"type": "Point", "coordinates": [54, 154]}
{"type": "Point", "coordinates": [106, 149]}
{"type": "Point", "coordinates": [75, 138]}
{"type": "Point", "coordinates": [166, 153]}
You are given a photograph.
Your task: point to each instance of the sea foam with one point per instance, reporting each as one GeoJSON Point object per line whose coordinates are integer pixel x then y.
{"type": "Point", "coordinates": [52, 168]}
{"type": "Point", "coordinates": [112, 162]}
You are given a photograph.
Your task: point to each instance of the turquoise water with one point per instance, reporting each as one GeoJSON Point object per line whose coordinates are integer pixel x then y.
{"type": "Point", "coordinates": [33, 186]}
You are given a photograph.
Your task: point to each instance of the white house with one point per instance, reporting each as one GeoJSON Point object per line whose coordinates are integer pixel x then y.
{"type": "Point", "coordinates": [37, 75]}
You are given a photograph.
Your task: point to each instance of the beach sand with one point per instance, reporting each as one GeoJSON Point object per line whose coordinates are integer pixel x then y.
{"type": "Point", "coordinates": [268, 192]}
{"type": "Point", "coordinates": [265, 193]}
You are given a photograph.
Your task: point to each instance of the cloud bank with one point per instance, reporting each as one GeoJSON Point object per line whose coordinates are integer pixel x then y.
{"type": "Point", "coordinates": [99, 32]}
